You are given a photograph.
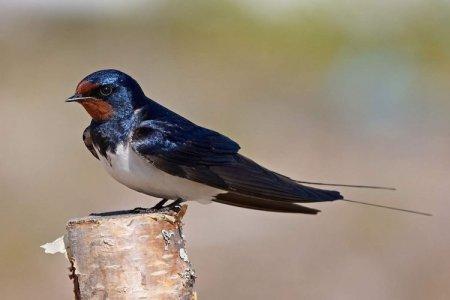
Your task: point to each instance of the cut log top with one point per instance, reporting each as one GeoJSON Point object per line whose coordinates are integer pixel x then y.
{"type": "Point", "coordinates": [130, 256]}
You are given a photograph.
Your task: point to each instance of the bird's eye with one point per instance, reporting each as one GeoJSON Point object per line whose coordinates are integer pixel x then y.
{"type": "Point", "coordinates": [106, 90]}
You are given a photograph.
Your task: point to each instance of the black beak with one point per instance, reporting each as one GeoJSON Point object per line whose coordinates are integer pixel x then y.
{"type": "Point", "coordinates": [76, 98]}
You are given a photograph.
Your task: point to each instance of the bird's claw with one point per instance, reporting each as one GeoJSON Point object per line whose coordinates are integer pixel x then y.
{"type": "Point", "coordinates": [141, 210]}
{"type": "Point", "coordinates": [159, 207]}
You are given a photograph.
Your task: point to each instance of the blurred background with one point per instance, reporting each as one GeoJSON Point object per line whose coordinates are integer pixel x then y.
{"type": "Point", "coordinates": [335, 91]}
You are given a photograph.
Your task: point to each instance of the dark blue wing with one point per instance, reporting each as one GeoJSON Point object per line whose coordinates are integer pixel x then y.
{"type": "Point", "coordinates": [205, 156]}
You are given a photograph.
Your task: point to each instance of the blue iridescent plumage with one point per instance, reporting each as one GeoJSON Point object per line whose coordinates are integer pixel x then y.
{"type": "Point", "coordinates": [180, 148]}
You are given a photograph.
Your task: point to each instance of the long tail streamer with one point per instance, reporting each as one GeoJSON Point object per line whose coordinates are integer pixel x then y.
{"type": "Point", "coordinates": [389, 207]}
{"type": "Point", "coordinates": [349, 185]}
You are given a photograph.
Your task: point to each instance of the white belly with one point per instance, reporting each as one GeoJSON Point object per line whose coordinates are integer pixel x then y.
{"type": "Point", "coordinates": [133, 171]}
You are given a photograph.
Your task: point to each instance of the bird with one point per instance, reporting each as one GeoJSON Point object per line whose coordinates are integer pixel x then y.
{"type": "Point", "coordinates": [155, 151]}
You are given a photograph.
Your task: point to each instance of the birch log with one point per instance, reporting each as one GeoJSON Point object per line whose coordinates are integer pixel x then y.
{"type": "Point", "coordinates": [131, 256]}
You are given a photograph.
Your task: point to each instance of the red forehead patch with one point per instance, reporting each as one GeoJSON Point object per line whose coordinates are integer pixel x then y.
{"type": "Point", "coordinates": [85, 87]}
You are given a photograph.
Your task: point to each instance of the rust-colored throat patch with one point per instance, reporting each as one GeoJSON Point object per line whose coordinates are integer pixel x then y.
{"type": "Point", "coordinates": [99, 110]}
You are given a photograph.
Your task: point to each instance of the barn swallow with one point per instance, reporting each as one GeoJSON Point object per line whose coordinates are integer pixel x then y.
{"type": "Point", "coordinates": [155, 151]}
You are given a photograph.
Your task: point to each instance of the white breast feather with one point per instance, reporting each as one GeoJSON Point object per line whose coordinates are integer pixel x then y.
{"type": "Point", "coordinates": [133, 171]}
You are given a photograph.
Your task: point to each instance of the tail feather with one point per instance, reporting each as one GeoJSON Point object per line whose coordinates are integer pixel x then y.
{"type": "Point", "coordinates": [390, 207]}
{"type": "Point", "coordinates": [348, 185]}
{"type": "Point", "coordinates": [250, 202]}
{"type": "Point", "coordinates": [311, 195]}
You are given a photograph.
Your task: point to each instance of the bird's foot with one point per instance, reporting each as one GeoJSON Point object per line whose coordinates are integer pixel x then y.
{"type": "Point", "coordinates": [141, 210]}
{"type": "Point", "coordinates": [159, 207]}
{"type": "Point", "coordinates": [137, 210]}
{"type": "Point", "coordinates": [174, 206]}
{"type": "Point", "coordinates": [160, 204]}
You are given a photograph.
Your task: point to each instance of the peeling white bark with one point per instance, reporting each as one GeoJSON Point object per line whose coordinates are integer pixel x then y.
{"type": "Point", "coordinates": [57, 246]}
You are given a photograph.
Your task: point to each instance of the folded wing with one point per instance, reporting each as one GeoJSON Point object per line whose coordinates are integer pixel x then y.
{"type": "Point", "coordinates": [207, 157]}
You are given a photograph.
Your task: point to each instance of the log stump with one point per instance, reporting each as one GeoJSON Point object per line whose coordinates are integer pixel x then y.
{"type": "Point", "coordinates": [129, 256]}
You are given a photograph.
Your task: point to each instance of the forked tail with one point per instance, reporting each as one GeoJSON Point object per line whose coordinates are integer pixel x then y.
{"type": "Point", "coordinates": [365, 203]}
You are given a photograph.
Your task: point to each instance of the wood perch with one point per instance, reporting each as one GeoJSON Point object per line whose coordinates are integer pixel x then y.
{"type": "Point", "coordinates": [129, 256]}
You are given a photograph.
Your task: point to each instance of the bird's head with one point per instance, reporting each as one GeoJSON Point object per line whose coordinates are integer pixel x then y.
{"type": "Point", "coordinates": [108, 94]}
